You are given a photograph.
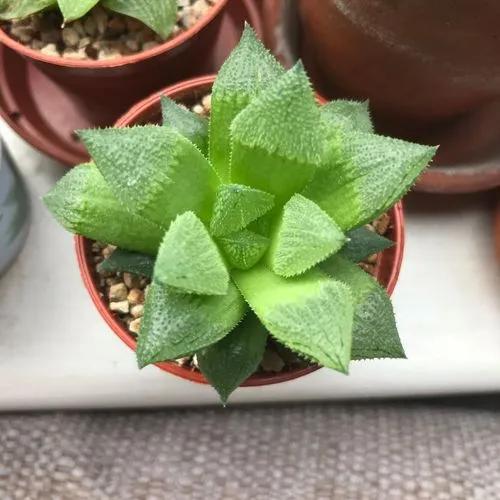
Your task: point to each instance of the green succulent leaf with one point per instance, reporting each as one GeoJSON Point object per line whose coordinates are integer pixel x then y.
{"type": "Point", "coordinates": [363, 242]}
{"type": "Point", "coordinates": [123, 261]}
{"type": "Point", "coordinates": [229, 362]}
{"type": "Point", "coordinates": [364, 175]}
{"type": "Point", "coordinates": [155, 171]}
{"type": "Point", "coordinates": [305, 236]}
{"type": "Point", "coordinates": [243, 249]}
{"type": "Point", "coordinates": [311, 314]}
{"type": "Point", "coordinates": [189, 259]}
{"type": "Point", "coordinates": [350, 115]}
{"type": "Point", "coordinates": [236, 206]}
{"type": "Point", "coordinates": [83, 204]}
{"type": "Point", "coordinates": [279, 138]}
{"type": "Point", "coordinates": [159, 15]}
{"type": "Point", "coordinates": [176, 325]}
{"type": "Point", "coordinates": [72, 9]}
{"type": "Point", "coordinates": [375, 334]}
{"type": "Point", "coordinates": [191, 125]}
{"type": "Point", "coordinates": [19, 9]}
{"type": "Point", "coordinates": [248, 70]}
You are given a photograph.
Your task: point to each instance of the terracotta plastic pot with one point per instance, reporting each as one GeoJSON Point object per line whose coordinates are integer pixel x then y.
{"type": "Point", "coordinates": [496, 230]}
{"type": "Point", "coordinates": [46, 115]}
{"type": "Point", "coordinates": [430, 70]}
{"type": "Point", "coordinates": [148, 111]}
{"type": "Point", "coordinates": [108, 88]}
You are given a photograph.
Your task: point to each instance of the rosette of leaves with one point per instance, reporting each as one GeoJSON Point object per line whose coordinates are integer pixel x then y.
{"type": "Point", "coordinates": [251, 222]}
{"type": "Point", "coordinates": [159, 15]}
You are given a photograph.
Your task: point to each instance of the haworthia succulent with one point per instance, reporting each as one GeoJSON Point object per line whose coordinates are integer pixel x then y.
{"type": "Point", "coordinates": [159, 15]}
{"type": "Point", "coordinates": [248, 70]}
{"type": "Point", "coordinates": [279, 138]}
{"type": "Point", "coordinates": [229, 362]}
{"type": "Point", "coordinates": [305, 236]}
{"type": "Point", "coordinates": [189, 259]}
{"type": "Point", "coordinates": [72, 9]}
{"type": "Point", "coordinates": [236, 206]}
{"type": "Point", "coordinates": [243, 249]}
{"type": "Point", "coordinates": [374, 331]}
{"type": "Point", "coordinates": [155, 171]}
{"type": "Point", "coordinates": [364, 175]}
{"type": "Point", "coordinates": [19, 9]}
{"type": "Point", "coordinates": [176, 324]}
{"type": "Point", "coordinates": [83, 203]}
{"type": "Point", "coordinates": [130, 262]}
{"type": "Point", "coordinates": [350, 115]}
{"type": "Point", "coordinates": [311, 314]}
{"type": "Point", "coordinates": [191, 125]}
{"type": "Point", "coordinates": [363, 242]}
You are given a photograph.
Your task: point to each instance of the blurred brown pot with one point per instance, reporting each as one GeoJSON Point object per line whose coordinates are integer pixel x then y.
{"type": "Point", "coordinates": [430, 69]}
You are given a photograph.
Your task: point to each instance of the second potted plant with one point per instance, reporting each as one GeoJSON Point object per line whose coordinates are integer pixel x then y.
{"type": "Point", "coordinates": [248, 226]}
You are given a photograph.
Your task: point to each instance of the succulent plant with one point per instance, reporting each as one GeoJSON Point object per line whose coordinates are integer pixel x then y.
{"type": "Point", "coordinates": [250, 223]}
{"type": "Point", "coordinates": [159, 15]}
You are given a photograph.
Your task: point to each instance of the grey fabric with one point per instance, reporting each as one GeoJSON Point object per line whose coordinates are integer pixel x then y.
{"type": "Point", "coordinates": [315, 452]}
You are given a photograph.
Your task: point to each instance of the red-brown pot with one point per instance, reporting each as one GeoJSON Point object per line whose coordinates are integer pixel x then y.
{"type": "Point", "coordinates": [108, 88]}
{"type": "Point", "coordinates": [430, 70]}
{"type": "Point", "coordinates": [148, 111]}
{"type": "Point", "coordinates": [496, 230]}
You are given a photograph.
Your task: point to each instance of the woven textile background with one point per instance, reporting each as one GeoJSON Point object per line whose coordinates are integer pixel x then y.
{"type": "Point", "coordinates": [344, 452]}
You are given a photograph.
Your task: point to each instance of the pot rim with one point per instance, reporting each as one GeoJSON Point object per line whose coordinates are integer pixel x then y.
{"type": "Point", "coordinates": [164, 47]}
{"type": "Point", "coordinates": [395, 257]}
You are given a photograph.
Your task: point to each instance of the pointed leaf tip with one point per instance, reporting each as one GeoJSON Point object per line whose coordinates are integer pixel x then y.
{"type": "Point", "coordinates": [189, 259]}
{"type": "Point", "coordinates": [305, 236]}
{"type": "Point", "coordinates": [236, 206]}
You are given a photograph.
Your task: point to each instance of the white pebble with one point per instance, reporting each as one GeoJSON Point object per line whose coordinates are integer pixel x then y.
{"type": "Point", "coordinates": [135, 326]}
{"type": "Point", "coordinates": [118, 292]}
{"type": "Point", "coordinates": [137, 311]}
{"type": "Point", "coordinates": [120, 307]}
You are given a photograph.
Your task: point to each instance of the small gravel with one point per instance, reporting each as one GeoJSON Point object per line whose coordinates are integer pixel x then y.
{"type": "Point", "coordinates": [99, 35]}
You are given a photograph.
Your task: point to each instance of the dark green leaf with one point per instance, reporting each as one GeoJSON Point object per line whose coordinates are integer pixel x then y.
{"type": "Point", "coordinates": [375, 334]}
{"type": "Point", "coordinates": [311, 314]}
{"type": "Point", "coordinates": [75, 9]}
{"type": "Point", "coordinates": [189, 259]}
{"type": "Point", "coordinates": [176, 325]}
{"type": "Point", "coordinates": [123, 261]}
{"type": "Point", "coordinates": [304, 236]}
{"type": "Point", "coordinates": [154, 171]}
{"type": "Point", "coordinates": [191, 125]}
{"type": "Point", "coordinates": [351, 115]}
{"type": "Point", "coordinates": [279, 138]}
{"type": "Point", "coordinates": [362, 243]}
{"type": "Point", "coordinates": [229, 362]}
{"type": "Point", "coordinates": [236, 206]}
{"type": "Point", "coordinates": [159, 15]}
{"type": "Point", "coordinates": [248, 70]}
{"type": "Point", "coordinates": [19, 9]}
{"type": "Point", "coordinates": [83, 203]}
{"type": "Point", "coordinates": [243, 249]}
{"type": "Point", "coordinates": [364, 175]}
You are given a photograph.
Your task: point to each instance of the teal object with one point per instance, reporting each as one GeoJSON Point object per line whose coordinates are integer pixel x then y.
{"type": "Point", "coordinates": [14, 211]}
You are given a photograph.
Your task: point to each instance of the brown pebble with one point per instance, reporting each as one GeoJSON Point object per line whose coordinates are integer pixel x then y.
{"type": "Point", "coordinates": [135, 296]}
{"type": "Point", "coordinates": [272, 362]}
{"type": "Point", "coordinates": [382, 224]}
{"type": "Point", "coordinates": [131, 280]}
